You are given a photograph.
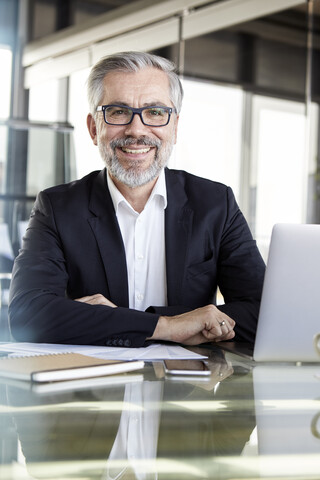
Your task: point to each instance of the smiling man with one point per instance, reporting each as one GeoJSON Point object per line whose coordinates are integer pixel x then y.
{"type": "Point", "coordinates": [135, 253]}
{"type": "Point", "coordinates": [135, 145]}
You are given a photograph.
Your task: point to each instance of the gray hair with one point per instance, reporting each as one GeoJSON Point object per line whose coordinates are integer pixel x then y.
{"type": "Point", "coordinates": [131, 62]}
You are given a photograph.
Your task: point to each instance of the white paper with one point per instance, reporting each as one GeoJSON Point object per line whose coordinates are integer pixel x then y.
{"type": "Point", "coordinates": [151, 353]}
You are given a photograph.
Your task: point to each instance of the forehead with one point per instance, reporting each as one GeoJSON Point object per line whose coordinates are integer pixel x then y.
{"type": "Point", "coordinates": [146, 86]}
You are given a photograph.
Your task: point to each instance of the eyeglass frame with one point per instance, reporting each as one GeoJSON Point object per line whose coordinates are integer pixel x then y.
{"type": "Point", "coordinates": [137, 111]}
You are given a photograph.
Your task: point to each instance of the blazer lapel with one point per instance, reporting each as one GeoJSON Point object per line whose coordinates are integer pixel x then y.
{"type": "Point", "coordinates": [178, 223]}
{"type": "Point", "coordinates": [108, 236]}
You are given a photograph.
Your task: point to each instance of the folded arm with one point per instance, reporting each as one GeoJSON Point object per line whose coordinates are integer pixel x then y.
{"type": "Point", "coordinates": [206, 324]}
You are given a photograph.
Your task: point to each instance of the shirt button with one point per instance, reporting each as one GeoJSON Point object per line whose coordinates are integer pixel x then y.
{"type": "Point", "coordinates": [140, 296]}
{"type": "Point", "coordinates": [140, 256]}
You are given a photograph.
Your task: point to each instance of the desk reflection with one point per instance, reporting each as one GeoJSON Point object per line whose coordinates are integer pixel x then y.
{"type": "Point", "coordinates": [140, 429]}
{"type": "Point", "coordinates": [287, 402]}
{"type": "Point", "coordinates": [137, 435]}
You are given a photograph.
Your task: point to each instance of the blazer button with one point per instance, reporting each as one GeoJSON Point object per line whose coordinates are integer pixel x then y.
{"type": "Point", "coordinates": [120, 342]}
{"type": "Point", "coordinates": [127, 343]}
{"type": "Point", "coordinates": [115, 342]}
{"type": "Point", "coordinates": [109, 342]}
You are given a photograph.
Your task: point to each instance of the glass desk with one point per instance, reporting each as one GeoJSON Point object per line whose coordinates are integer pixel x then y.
{"type": "Point", "coordinates": [245, 421]}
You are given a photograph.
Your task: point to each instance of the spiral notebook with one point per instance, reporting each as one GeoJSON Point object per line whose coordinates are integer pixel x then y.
{"type": "Point", "coordinates": [62, 366]}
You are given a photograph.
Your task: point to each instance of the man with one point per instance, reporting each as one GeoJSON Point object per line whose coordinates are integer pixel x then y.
{"type": "Point", "coordinates": [135, 253]}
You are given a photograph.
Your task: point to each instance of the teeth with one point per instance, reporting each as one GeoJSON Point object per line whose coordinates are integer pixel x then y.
{"type": "Point", "coordinates": [141, 150]}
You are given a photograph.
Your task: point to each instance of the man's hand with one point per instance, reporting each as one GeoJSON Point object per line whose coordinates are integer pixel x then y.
{"type": "Point", "coordinates": [205, 324]}
{"type": "Point", "coordinates": [96, 299]}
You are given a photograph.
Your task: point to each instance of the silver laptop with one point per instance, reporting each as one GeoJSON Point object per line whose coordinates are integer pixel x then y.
{"type": "Point", "coordinates": [290, 307]}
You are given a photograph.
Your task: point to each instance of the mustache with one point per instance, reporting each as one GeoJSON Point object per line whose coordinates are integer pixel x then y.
{"type": "Point", "coordinates": [127, 141]}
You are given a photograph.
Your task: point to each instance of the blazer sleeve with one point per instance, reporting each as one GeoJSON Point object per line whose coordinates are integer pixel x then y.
{"type": "Point", "coordinates": [39, 309]}
{"type": "Point", "coordinates": [241, 272]}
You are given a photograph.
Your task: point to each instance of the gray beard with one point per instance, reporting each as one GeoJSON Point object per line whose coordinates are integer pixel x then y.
{"type": "Point", "coordinates": [133, 176]}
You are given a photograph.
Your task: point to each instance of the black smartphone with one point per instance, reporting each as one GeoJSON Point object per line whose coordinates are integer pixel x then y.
{"type": "Point", "coordinates": [186, 367]}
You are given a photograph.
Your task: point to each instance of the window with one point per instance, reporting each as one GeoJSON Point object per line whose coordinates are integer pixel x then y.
{"type": "Point", "coordinates": [209, 133]}
{"type": "Point", "coordinates": [281, 164]}
{"type": "Point", "coordinates": [5, 82]}
{"type": "Point", "coordinates": [5, 89]}
{"type": "Point", "coordinates": [87, 154]}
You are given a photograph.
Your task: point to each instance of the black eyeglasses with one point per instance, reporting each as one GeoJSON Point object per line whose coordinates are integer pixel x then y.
{"type": "Point", "coordinates": [150, 116]}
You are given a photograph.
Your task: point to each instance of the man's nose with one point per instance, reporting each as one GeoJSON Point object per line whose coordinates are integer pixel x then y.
{"type": "Point", "coordinates": [136, 127]}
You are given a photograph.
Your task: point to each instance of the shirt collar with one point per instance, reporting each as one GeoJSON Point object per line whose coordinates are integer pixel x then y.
{"type": "Point", "coordinates": [159, 189]}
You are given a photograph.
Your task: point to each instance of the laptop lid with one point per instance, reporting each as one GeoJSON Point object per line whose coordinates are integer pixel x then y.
{"type": "Point", "coordinates": [289, 315]}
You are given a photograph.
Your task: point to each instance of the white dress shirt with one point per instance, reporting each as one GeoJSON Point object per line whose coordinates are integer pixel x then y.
{"type": "Point", "coordinates": [144, 242]}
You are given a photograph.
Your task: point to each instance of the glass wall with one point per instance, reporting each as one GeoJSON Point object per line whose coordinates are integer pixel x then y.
{"type": "Point", "coordinates": [5, 90]}
{"type": "Point", "coordinates": [50, 151]}
{"type": "Point", "coordinates": [6, 250]}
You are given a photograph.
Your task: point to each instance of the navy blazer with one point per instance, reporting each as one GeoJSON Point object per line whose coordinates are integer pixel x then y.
{"type": "Point", "coordinates": [73, 248]}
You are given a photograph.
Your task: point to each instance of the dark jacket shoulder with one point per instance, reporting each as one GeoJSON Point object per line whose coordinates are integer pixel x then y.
{"type": "Point", "coordinates": [75, 194]}
{"type": "Point", "coordinates": [196, 186]}
{"type": "Point", "coordinates": [76, 186]}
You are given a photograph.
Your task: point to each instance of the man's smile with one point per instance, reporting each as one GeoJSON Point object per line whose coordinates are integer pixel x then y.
{"type": "Point", "coordinates": [136, 151]}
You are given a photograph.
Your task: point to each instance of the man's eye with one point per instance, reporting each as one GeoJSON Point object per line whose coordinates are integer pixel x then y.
{"type": "Point", "coordinates": [156, 112]}
{"type": "Point", "coordinates": [118, 112]}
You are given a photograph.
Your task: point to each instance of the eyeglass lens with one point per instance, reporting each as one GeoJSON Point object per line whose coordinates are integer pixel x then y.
{"type": "Point", "coordinates": [123, 115]}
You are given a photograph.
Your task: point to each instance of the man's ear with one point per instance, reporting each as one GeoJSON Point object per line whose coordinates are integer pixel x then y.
{"type": "Point", "coordinates": [92, 127]}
